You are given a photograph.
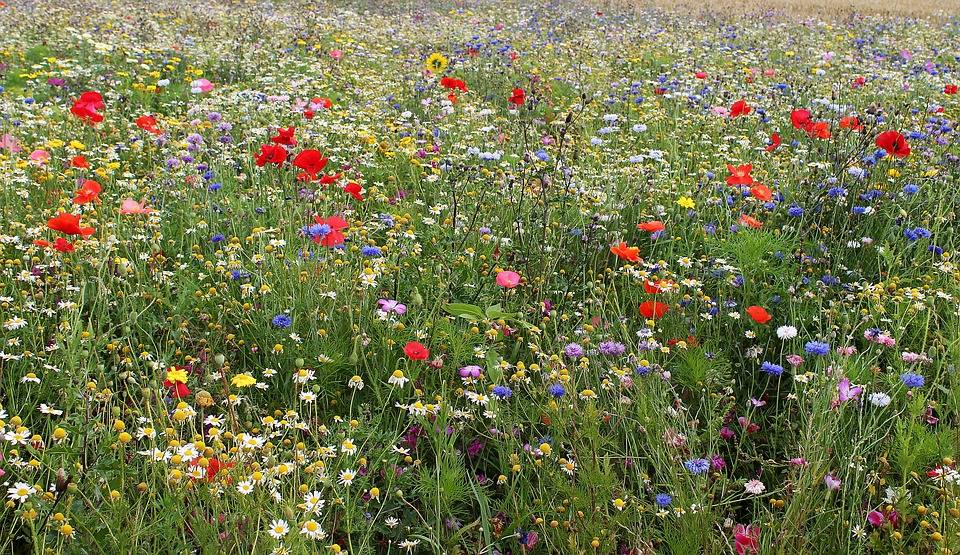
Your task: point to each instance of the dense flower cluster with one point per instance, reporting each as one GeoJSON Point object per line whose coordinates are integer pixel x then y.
{"type": "Point", "coordinates": [475, 279]}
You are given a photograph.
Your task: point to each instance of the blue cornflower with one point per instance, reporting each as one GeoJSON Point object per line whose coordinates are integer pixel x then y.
{"type": "Point", "coordinates": [795, 211]}
{"type": "Point", "coordinates": [557, 390]}
{"type": "Point", "coordinates": [282, 321]}
{"type": "Point", "coordinates": [214, 187]}
{"type": "Point", "coordinates": [697, 466]}
{"type": "Point", "coordinates": [371, 251]}
{"type": "Point", "coordinates": [502, 392]}
{"type": "Point", "coordinates": [218, 238]}
{"type": "Point", "coordinates": [664, 499]}
{"type": "Point", "coordinates": [910, 189]}
{"type": "Point", "coordinates": [771, 368]}
{"type": "Point", "coordinates": [817, 348]}
{"type": "Point", "coordinates": [911, 379]}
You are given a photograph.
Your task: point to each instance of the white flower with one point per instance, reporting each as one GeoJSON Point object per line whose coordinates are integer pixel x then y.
{"type": "Point", "coordinates": [313, 502]}
{"type": "Point", "coordinates": [409, 545]}
{"type": "Point", "coordinates": [786, 332]}
{"type": "Point", "coordinates": [20, 491]}
{"type": "Point", "coordinates": [397, 378]}
{"type": "Point", "coordinates": [391, 521]}
{"type": "Point", "coordinates": [347, 476]}
{"type": "Point", "coordinates": [348, 446]}
{"type": "Point", "coordinates": [312, 530]}
{"type": "Point", "coordinates": [879, 399]}
{"type": "Point", "coordinates": [245, 487]}
{"type": "Point", "coordinates": [278, 529]}
{"type": "Point", "coordinates": [47, 409]}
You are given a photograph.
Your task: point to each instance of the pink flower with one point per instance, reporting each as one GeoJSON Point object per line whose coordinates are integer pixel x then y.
{"type": "Point", "coordinates": [508, 279]}
{"type": "Point", "coordinates": [832, 482]}
{"type": "Point", "coordinates": [9, 142]}
{"type": "Point", "coordinates": [795, 360]}
{"type": "Point", "coordinates": [755, 487]}
{"type": "Point", "coordinates": [746, 539]}
{"type": "Point", "coordinates": [40, 156]}
{"type": "Point", "coordinates": [200, 86]}
{"type": "Point", "coordinates": [876, 518]}
{"type": "Point", "coordinates": [130, 206]}
{"type": "Point", "coordinates": [336, 54]}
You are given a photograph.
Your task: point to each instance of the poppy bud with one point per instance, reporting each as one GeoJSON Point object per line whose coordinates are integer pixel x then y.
{"type": "Point", "coordinates": [355, 355]}
{"type": "Point", "coordinates": [416, 299]}
{"type": "Point", "coordinates": [219, 360]}
{"type": "Point", "coordinates": [299, 362]}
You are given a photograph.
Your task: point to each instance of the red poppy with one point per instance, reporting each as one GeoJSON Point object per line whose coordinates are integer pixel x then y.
{"type": "Point", "coordinates": [852, 123]}
{"type": "Point", "coordinates": [518, 97]}
{"type": "Point", "coordinates": [819, 130]}
{"type": "Point", "coordinates": [451, 83]}
{"type": "Point", "coordinates": [69, 224]}
{"type": "Point", "coordinates": [41, 243]}
{"type": "Point", "coordinates": [740, 175]}
{"type": "Point", "coordinates": [700, 75]}
{"type": "Point", "coordinates": [950, 89]}
{"type": "Point", "coordinates": [799, 118]}
{"type": "Point", "coordinates": [354, 190]}
{"type": "Point", "coordinates": [859, 82]}
{"type": "Point", "coordinates": [652, 310]}
{"type": "Point", "coordinates": [149, 124]}
{"type": "Point", "coordinates": [88, 192]}
{"type": "Point", "coordinates": [740, 108]}
{"type": "Point", "coordinates": [335, 237]}
{"type": "Point", "coordinates": [761, 192]}
{"type": "Point", "coordinates": [322, 102]}
{"type": "Point", "coordinates": [178, 390]}
{"type": "Point", "coordinates": [627, 253]}
{"type": "Point", "coordinates": [654, 288]}
{"type": "Point", "coordinates": [63, 245]}
{"type": "Point", "coordinates": [774, 142]}
{"type": "Point", "coordinates": [416, 350]}
{"type": "Point", "coordinates": [308, 114]}
{"type": "Point", "coordinates": [214, 467]}
{"type": "Point", "coordinates": [759, 314]}
{"type": "Point", "coordinates": [79, 162]}
{"type": "Point", "coordinates": [270, 154]}
{"type": "Point", "coordinates": [86, 107]}
{"type": "Point", "coordinates": [750, 221]}
{"type": "Point", "coordinates": [894, 143]}
{"type": "Point", "coordinates": [330, 178]}
{"type": "Point", "coordinates": [311, 162]}
{"type": "Point", "coordinates": [285, 137]}
{"type": "Point", "coordinates": [659, 91]}
{"type": "Point", "coordinates": [652, 226]}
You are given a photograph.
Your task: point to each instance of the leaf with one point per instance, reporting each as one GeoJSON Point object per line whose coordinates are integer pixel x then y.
{"type": "Point", "coordinates": [495, 312]}
{"type": "Point", "coordinates": [493, 366]}
{"type": "Point", "coordinates": [470, 312]}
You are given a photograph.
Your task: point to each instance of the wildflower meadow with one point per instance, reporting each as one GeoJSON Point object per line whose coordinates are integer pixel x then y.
{"type": "Point", "coordinates": [477, 277]}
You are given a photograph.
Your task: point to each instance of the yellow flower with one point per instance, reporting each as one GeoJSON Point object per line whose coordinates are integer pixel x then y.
{"type": "Point", "coordinates": [437, 62]}
{"type": "Point", "coordinates": [686, 202]}
{"type": "Point", "coordinates": [243, 380]}
{"type": "Point", "coordinates": [175, 375]}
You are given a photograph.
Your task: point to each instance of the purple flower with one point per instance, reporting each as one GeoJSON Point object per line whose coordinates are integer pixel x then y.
{"type": "Point", "coordinates": [573, 350]}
